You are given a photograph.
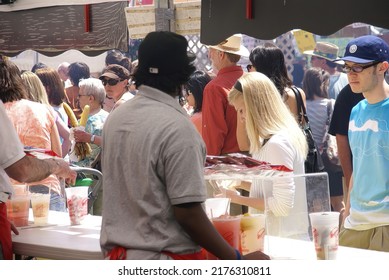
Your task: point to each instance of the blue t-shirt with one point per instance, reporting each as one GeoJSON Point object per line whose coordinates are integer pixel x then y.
{"type": "Point", "coordinates": [369, 141]}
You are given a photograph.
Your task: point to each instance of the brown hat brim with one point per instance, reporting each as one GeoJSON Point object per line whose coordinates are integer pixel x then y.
{"type": "Point", "coordinates": [109, 75]}
{"type": "Point", "coordinates": [312, 53]}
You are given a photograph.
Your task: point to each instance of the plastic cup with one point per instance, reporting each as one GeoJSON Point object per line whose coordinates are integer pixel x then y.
{"type": "Point", "coordinates": [18, 209]}
{"type": "Point", "coordinates": [40, 203]}
{"type": "Point", "coordinates": [216, 207]}
{"type": "Point", "coordinates": [325, 231]}
{"type": "Point", "coordinates": [20, 189]}
{"type": "Point", "coordinates": [77, 199]}
{"type": "Point", "coordinates": [229, 228]}
{"type": "Point", "coordinates": [252, 233]}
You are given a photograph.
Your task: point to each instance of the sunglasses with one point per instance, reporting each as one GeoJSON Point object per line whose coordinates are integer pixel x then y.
{"type": "Point", "coordinates": [111, 82]}
{"type": "Point", "coordinates": [358, 68]}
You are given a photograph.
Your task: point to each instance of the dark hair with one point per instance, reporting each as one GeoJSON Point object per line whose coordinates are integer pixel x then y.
{"type": "Point", "coordinates": [196, 84]}
{"type": "Point", "coordinates": [37, 66]}
{"type": "Point", "coordinates": [53, 85]}
{"type": "Point", "coordinates": [315, 83]}
{"type": "Point", "coordinates": [12, 87]}
{"type": "Point", "coordinates": [270, 61]}
{"type": "Point", "coordinates": [78, 71]}
{"type": "Point", "coordinates": [117, 57]}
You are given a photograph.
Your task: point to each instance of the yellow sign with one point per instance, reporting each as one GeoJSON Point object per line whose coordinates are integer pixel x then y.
{"type": "Point", "coordinates": [305, 40]}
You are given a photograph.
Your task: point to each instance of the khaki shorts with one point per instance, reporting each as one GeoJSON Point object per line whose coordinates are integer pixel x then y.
{"type": "Point", "coordinates": [371, 239]}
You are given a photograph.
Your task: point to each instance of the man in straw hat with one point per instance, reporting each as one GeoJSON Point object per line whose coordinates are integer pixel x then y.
{"type": "Point", "coordinates": [323, 56]}
{"type": "Point", "coordinates": [219, 118]}
{"type": "Point", "coordinates": [154, 157]}
{"type": "Point", "coordinates": [366, 223]}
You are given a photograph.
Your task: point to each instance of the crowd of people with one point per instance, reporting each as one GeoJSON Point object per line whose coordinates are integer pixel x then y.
{"type": "Point", "coordinates": [152, 122]}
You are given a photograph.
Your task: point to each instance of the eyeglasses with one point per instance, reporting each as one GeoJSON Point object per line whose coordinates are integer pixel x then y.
{"type": "Point", "coordinates": [249, 67]}
{"type": "Point", "coordinates": [358, 68]}
{"type": "Point", "coordinates": [111, 82]}
{"type": "Point", "coordinates": [185, 92]}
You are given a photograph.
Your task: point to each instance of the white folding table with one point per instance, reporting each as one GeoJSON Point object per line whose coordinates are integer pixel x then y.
{"type": "Point", "coordinates": [59, 240]}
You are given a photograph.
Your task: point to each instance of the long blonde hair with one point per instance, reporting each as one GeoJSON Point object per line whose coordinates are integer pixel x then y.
{"type": "Point", "coordinates": [266, 113]}
{"type": "Point", "coordinates": [35, 87]}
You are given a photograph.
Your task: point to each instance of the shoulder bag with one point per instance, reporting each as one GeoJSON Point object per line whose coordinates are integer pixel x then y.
{"type": "Point", "coordinates": [313, 162]}
{"type": "Point", "coordinates": [329, 152]}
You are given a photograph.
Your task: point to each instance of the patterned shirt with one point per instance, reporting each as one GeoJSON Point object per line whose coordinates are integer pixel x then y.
{"type": "Point", "coordinates": [369, 137]}
{"type": "Point", "coordinates": [94, 126]}
{"type": "Point", "coordinates": [34, 123]}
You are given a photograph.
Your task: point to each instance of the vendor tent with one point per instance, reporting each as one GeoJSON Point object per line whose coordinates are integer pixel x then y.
{"type": "Point", "coordinates": [267, 19]}
{"type": "Point", "coordinates": [51, 28]}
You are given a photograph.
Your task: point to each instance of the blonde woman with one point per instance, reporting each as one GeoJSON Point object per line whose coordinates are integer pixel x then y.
{"type": "Point", "coordinates": [275, 137]}
{"type": "Point", "coordinates": [37, 93]}
{"type": "Point", "coordinates": [35, 88]}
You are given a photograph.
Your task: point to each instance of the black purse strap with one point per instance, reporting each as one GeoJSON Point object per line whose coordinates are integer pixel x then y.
{"type": "Point", "coordinates": [300, 107]}
{"type": "Point", "coordinates": [325, 137]}
{"type": "Point", "coordinates": [328, 112]}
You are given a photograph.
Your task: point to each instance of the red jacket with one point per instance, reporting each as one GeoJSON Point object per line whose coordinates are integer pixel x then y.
{"type": "Point", "coordinates": [219, 118]}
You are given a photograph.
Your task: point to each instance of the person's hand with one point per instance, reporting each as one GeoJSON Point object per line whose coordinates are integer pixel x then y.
{"type": "Point", "coordinates": [342, 217]}
{"type": "Point", "coordinates": [14, 229]}
{"type": "Point", "coordinates": [257, 255]}
{"type": "Point", "coordinates": [81, 136]}
{"type": "Point", "coordinates": [62, 170]}
{"type": "Point", "coordinates": [231, 194]}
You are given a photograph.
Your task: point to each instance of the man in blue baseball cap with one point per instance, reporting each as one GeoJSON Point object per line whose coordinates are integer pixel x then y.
{"type": "Point", "coordinates": [366, 223]}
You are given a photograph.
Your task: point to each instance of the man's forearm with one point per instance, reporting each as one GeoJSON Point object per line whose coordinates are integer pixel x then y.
{"type": "Point", "coordinates": [30, 169]}
{"type": "Point", "coordinates": [194, 221]}
{"type": "Point", "coordinates": [345, 157]}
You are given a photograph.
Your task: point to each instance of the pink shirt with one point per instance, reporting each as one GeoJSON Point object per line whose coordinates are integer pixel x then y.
{"type": "Point", "coordinates": [219, 117]}
{"type": "Point", "coordinates": [33, 123]}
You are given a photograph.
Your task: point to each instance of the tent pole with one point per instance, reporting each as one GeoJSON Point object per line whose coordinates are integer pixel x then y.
{"type": "Point", "coordinates": [164, 15]}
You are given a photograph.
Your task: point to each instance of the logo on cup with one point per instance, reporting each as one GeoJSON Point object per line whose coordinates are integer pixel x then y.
{"type": "Point", "coordinates": [261, 234]}
{"type": "Point", "coordinates": [334, 232]}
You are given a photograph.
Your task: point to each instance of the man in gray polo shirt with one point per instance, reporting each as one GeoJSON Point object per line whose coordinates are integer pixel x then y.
{"type": "Point", "coordinates": [153, 161]}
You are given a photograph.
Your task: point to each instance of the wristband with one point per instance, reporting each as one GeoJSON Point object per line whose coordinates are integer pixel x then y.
{"type": "Point", "coordinates": [92, 139]}
{"type": "Point", "coordinates": [238, 255]}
